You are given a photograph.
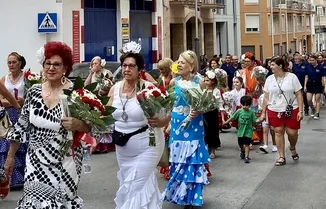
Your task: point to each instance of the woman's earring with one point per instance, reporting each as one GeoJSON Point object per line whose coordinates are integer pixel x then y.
{"type": "Point", "coordinates": [63, 79]}
{"type": "Point", "coordinates": [43, 77]}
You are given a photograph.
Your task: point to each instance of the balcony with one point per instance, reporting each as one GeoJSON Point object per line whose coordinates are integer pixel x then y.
{"type": "Point", "coordinates": [295, 5]}
{"type": "Point", "coordinates": [201, 3]}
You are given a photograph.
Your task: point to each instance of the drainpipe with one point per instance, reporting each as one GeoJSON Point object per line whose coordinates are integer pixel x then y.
{"type": "Point", "coordinates": [272, 28]}
{"type": "Point", "coordinates": [197, 37]}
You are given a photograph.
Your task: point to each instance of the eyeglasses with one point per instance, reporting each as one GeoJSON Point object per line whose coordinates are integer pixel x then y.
{"type": "Point", "coordinates": [56, 66]}
{"type": "Point", "coordinates": [131, 66]}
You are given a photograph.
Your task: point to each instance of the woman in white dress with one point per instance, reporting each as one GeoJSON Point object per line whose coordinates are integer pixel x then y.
{"type": "Point", "coordinates": [136, 159]}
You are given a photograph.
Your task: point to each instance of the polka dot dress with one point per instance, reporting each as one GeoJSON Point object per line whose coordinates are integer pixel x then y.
{"type": "Point", "coordinates": [51, 179]}
{"type": "Point", "coordinates": [17, 176]}
{"type": "Point", "coordinates": [188, 154]}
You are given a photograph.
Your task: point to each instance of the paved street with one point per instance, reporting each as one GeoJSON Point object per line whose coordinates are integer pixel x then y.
{"type": "Point", "coordinates": [234, 185]}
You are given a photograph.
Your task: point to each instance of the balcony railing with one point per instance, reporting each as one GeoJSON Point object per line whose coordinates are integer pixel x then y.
{"type": "Point", "coordinates": [201, 3]}
{"type": "Point", "coordinates": [292, 5]}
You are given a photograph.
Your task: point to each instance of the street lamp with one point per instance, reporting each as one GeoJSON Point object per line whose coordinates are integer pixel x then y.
{"type": "Point", "coordinates": [196, 33]}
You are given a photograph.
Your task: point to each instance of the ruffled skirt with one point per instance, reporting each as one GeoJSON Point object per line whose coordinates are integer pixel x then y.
{"type": "Point", "coordinates": [137, 175]}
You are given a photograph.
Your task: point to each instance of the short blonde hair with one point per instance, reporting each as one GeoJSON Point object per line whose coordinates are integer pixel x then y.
{"type": "Point", "coordinates": [165, 63]}
{"type": "Point", "coordinates": [191, 58]}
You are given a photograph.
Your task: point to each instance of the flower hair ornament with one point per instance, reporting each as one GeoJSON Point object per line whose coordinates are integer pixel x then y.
{"type": "Point", "coordinates": [210, 74]}
{"type": "Point", "coordinates": [249, 55]}
{"type": "Point", "coordinates": [40, 55]}
{"type": "Point", "coordinates": [131, 47]}
{"type": "Point", "coordinates": [103, 62]}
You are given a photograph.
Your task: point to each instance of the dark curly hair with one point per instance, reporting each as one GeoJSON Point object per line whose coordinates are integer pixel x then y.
{"type": "Point", "coordinates": [139, 58]}
{"type": "Point", "coordinates": [61, 49]}
{"type": "Point", "coordinates": [20, 58]}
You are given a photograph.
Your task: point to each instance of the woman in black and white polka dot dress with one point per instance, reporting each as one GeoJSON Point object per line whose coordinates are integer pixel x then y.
{"type": "Point", "coordinates": [51, 178]}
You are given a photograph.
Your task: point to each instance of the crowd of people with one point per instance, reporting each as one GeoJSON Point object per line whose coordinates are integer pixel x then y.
{"type": "Point", "coordinates": [255, 98]}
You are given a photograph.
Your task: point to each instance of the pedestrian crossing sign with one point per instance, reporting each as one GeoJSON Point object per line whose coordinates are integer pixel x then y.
{"type": "Point", "coordinates": [47, 23]}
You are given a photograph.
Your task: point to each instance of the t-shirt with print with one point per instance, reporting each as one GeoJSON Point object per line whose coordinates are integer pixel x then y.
{"type": "Point", "coordinates": [245, 120]}
{"type": "Point", "coordinates": [289, 85]}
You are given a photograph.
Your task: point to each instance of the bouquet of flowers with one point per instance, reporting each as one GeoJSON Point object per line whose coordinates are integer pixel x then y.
{"type": "Point", "coordinates": [31, 78]}
{"type": "Point", "coordinates": [104, 83]}
{"type": "Point", "coordinates": [84, 104]}
{"type": "Point", "coordinates": [220, 73]}
{"type": "Point", "coordinates": [228, 102]}
{"type": "Point", "coordinates": [155, 101]}
{"type": "Point", "coordinates": [199, 100]}
{"type": "Point", "coordinates": [260, 74]}
{"type": "Point", "coordinates": [221, 78]}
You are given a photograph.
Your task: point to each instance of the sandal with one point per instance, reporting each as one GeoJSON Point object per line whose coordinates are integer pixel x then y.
{"type": "Point", "coordinates": [280, 162]}
{"type": "Point", "coordinates": [295, 157]}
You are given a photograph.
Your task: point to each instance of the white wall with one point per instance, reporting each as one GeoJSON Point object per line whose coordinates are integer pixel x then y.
{"type": "Point", "coordinates": [18, 22]}
{"type": "Point", "coordinates": [231, 41]}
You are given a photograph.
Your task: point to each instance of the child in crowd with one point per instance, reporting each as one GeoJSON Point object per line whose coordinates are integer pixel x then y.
{"type": "Point", "coordinates": [245, 118]}
{"type": "Point", "coordinates": [237, 92]}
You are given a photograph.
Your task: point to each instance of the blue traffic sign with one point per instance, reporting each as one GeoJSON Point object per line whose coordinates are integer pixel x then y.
{"type": "Point", "coordinates": [47, 23]}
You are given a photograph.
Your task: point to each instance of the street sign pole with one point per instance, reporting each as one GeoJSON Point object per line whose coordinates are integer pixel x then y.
{"type": "Point", "coordinates": [197, 37]}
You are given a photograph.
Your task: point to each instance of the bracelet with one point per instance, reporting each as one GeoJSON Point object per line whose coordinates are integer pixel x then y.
{"type": "Point", "coordinates": [300, 112]}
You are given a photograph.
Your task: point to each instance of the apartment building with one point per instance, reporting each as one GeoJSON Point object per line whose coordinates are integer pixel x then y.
{"type": "Point", "coordinates": [274, 27]}
{"type": "Point", "coordinates": [320, 24]}
{"type": "Point", "coordinates": [228, 28]}
{"type": "Point", "coordinates": [179, 29]}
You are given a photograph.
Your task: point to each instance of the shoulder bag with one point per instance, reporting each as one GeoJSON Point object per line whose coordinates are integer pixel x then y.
{"type": "Point", "coordinates": [5, 123]}
{"type": "Point", "coordinates": [289, 106]}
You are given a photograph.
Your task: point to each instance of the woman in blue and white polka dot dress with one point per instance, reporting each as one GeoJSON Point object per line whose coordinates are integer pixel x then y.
{"type": "Point", "coordinates": [188, 152]}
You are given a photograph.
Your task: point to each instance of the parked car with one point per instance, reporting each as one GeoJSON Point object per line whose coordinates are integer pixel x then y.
{"type": "Point", "coordinates": [82, 70]}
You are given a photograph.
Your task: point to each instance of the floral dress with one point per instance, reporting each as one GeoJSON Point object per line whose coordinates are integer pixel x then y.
{"type": "Point", "coordinates": [51, 179]}
{"type": "Point", "coordinates": [188, 154]}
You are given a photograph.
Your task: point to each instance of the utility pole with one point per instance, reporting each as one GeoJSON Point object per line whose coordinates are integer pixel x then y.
{"type": "Point", "coordinates": [196, 34]}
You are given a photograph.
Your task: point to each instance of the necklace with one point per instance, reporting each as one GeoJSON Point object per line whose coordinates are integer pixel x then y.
{"type": "Point", "coordinates": [124, 115]}
{"type": "Point", "coordinates": [49, 93]}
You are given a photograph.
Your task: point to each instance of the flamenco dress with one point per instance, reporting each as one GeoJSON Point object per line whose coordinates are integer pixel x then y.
{"type": "Point", "coordinates": [188, 155]}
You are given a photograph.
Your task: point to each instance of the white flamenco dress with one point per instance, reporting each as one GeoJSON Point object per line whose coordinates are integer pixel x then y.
{"type": "Point", "coordinates": [137, 160]}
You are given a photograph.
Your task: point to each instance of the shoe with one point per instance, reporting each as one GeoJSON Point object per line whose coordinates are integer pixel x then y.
{"type": "Point", "coordinates": [242, 155]}
{"type": "Point", "coordinates": [247, 160]}
{"type": "Point", "coordinates": [306, 113]}
{"type": "Point", "coordinates": [274, 149]}
{"type": "Point", "coordinates": [264, 149]}
{"type": "Point", "coordinates": [313, 112]}
{"type": "Point", "coordinates": [280, 162]}
{"type": "Point", "coordinates": [316, 117]}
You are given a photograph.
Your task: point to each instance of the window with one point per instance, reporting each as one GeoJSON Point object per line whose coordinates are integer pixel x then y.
{"type": "Point", "coordinates": [252, 23]}
{"type": "Point", "coordinates": [283, 24]}
{"type": "Point", "coordinates": [251, 1]}
{"type": "Point", "coordinates": [269, 24]}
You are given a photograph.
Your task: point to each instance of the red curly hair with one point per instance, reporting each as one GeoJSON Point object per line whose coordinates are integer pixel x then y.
{"type": "Point", "coordinates": [61, 49]}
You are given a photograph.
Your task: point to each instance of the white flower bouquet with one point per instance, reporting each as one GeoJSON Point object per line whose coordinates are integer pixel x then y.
{"type": "Point", "coordinates": [199, 101]}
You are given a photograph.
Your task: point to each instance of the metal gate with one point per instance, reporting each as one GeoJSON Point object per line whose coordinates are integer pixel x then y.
{"type": "Point", "coordinates": [141, 28]}
{"type": "Point", "coordinates": [100, 34]}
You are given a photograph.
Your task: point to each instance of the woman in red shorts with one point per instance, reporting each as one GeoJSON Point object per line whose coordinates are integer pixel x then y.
{"type": "Point", "coordinates": [283, 103]}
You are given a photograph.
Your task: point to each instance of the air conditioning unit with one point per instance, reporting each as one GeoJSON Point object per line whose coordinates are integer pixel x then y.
{"type": "Point", "coordinates": [282, 6]}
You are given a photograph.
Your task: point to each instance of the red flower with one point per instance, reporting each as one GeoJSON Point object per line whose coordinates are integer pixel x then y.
{"type": "Point", "coordinates": [150, 87]}
{"type": "Point", "coordinates": [26, 74]}
{"type": "Point", "coordinates": [162, 89]}
{"type": "Point", "coordinates": [156, 93]}
{"type": "Point", "coordinates": [80, 92]}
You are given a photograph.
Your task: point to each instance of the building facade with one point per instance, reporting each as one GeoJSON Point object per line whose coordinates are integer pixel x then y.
{"type": "Point", "coordinates": [228, 33]}
{"type": "Point", "coordinates": [275, 27]}
{"type": "Point", "coordinates": [90, 27]}
{"type": "Point", "coordinates": [320, 24]}
{"type": "Point", "coordinates": [179, 26]}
